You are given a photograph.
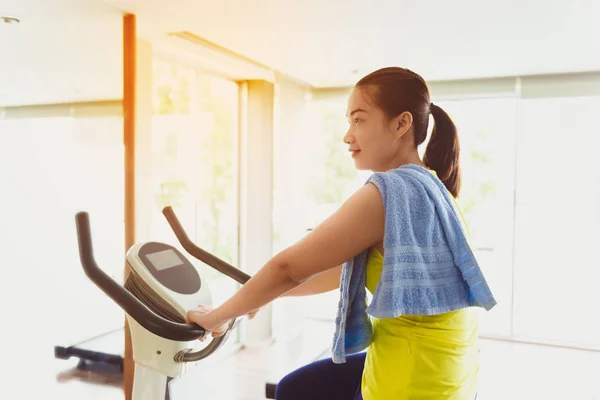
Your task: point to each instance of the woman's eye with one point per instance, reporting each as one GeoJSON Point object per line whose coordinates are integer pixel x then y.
{"type": "Point", "coordinates": [356, 120]}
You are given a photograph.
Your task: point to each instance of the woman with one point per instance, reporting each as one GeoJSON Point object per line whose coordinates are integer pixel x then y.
{"type": "Point", "coordinates": [401, 235]}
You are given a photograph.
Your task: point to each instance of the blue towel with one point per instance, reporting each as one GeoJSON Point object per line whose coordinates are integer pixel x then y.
{"type": "Point", "coordinates": [428, 266]}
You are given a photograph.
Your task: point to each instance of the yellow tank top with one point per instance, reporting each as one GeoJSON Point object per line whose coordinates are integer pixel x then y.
{"type": "Point", "coordinates": [420, 357]}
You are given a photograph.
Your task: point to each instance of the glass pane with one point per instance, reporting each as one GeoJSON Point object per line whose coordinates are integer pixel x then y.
{"type": "Point", "coordinates": [558, 219]}
{"type": "Point", "coordinates": [60, 74]}
{"type": "Point", "coordinates": [313, 182]}
{"type": "Point", "coordinates": [194, 164]}
{"type": "Point", "coordinates": [51, 169]}
{"type": "Point", "coordinates": [324, 176]}
{"type": "Point", "coordinates": [487, 131]}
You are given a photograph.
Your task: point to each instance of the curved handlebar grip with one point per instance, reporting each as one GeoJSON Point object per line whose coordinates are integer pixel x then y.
{"type": "Point", "coordinates": [127, 301]}
{"type": "Point", "coordinates": [214, 345]}
{"type": "Point", "coordinates": [204, 256]}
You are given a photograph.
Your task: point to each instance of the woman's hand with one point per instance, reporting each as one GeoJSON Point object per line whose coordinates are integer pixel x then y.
{"type": "Point", "coordinates": [205, 317]}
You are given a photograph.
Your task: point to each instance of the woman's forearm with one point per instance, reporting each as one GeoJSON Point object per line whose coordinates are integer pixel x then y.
{"type": "Point", "coordinates": [320, 283]}
{"type": "Point", "coordinates": [270, 282]}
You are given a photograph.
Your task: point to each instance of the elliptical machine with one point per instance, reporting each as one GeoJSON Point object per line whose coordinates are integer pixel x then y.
{"type": "Point", "coordinates": [161, 287]}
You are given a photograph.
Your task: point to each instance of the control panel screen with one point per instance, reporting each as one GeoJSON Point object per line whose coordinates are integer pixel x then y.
{"type": "Point", "coordinates": [164, 259]}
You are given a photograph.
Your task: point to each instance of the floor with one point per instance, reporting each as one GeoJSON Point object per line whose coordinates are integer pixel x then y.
{"type": "Point", "coordinates": [524, 371]}
{"type": "Point", "coordinates": [508, 371]}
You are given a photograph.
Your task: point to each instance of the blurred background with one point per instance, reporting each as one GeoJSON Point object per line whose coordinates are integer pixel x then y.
{"type": "Point", "coordinates": [236, 119]}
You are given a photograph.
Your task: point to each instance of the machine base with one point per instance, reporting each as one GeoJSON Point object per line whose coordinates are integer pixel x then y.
{"type": "Point", "coordinates": [149, 384]}
{"type": "Point", "coordinates": [103, 353]}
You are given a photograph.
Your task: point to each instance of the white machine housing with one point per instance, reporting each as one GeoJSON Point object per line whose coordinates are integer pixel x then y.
{"type": "Point", "coordinates": [176, 283]}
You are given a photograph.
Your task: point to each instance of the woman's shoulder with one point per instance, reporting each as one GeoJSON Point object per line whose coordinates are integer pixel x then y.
{"type": "Point", "coordinates": [403, 185]}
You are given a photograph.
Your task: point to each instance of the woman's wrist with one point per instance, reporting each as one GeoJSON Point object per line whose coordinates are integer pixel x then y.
{"type": "Point", "coordinates": [222, 314]}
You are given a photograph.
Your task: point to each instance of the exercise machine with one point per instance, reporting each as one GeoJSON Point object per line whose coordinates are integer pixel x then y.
{"type": "Point", "coordinates": [161, 287]}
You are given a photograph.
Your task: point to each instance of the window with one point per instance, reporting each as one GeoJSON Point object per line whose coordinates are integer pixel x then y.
{"type": "Point", "coordinates": [487, 132]}
{"type": "Point", "coordinates": [557, 221]}
{"type": "Point", "coordinates": [325, 176]}
{"type": "Point", "coordinates": [193, 167]}
{"type": "Point", "coordinates": [530, 195]}
{"type": "Point", "coordinates": [52, 168]}
{"type": "Point", "coordinates": [314, 175]}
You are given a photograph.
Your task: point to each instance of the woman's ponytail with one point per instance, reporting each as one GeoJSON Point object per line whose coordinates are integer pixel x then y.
{"type": "Point", "coordinates": [443, 150]}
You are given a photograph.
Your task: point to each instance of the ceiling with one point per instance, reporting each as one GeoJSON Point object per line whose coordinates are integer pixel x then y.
{"type": "Point", "coordinates": [334, 42]}
{"type": "Point", "coordinates": [70, 50]}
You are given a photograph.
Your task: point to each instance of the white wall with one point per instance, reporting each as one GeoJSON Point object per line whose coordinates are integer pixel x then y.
{"type": "Point", "coordinates": [62, 51]}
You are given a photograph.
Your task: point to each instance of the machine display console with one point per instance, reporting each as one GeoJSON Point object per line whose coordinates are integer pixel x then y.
{"type": "Point", "coordinates": [164, 259]}
{"type": "Point", "coordinates": [169, 267]}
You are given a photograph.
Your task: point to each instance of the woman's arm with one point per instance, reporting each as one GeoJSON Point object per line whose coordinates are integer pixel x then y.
{"type": "Point", "coordinates": [318, 284]}
{"type": "Point", "coordinates": [321, 283]}
{"type": "Point", "coordinates": [357, 225]}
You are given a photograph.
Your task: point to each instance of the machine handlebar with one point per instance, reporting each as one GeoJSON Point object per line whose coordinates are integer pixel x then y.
{"type": "Point", "coordinates": [127, 301]}
{"type": "Point", "coordinates": [202, 255]}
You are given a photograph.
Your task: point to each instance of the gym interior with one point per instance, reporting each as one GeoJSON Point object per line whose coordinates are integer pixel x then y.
{"type": "Point", "coordinates": [233, 113]}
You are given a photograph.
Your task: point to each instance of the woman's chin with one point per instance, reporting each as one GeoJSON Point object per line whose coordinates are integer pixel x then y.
{"type": "Point", "coordinates": [360, 166]}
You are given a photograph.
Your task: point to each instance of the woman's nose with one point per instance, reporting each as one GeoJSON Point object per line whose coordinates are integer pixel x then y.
{"type": "Point", "coordinates": [348, 138]}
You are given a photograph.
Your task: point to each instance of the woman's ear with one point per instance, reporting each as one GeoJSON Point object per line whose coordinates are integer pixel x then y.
{"type": "Point", "coordinates": [402, 124]}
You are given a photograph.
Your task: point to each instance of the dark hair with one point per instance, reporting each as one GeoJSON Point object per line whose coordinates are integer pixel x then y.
{"type": "Point", "coordinates": [397, 90]}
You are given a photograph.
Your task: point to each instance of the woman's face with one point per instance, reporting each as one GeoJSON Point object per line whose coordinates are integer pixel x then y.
{"type": "Point", "coordinates": [372, 138]}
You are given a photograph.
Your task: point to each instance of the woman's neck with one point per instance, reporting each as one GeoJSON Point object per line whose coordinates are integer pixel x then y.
{"type": "Point", "coordinates": [411, 158]}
